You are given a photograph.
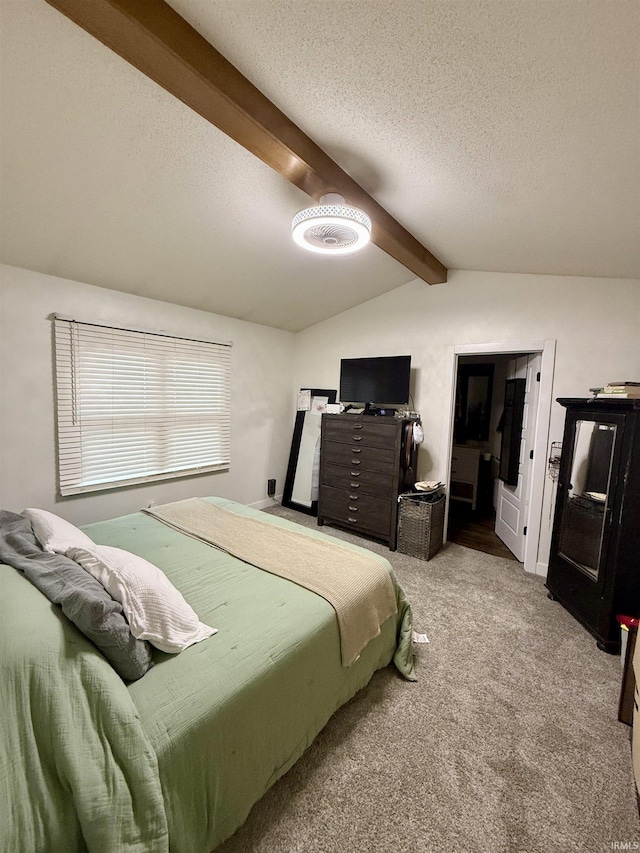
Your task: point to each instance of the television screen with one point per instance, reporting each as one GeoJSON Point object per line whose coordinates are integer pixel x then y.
{"type": "Point", "coordinates": [375, 380]}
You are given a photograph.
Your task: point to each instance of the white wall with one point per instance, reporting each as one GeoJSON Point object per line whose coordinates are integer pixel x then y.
{"type": "Point", "coordinates": [595, 323]}
{"type": "Point", "coordinates": [262, 402]}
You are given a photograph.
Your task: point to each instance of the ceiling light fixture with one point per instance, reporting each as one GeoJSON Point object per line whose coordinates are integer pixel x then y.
{"type": "Point", "coordinates": [331, 228]}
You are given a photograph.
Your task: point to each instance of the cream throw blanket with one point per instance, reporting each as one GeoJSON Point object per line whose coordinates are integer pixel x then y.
{"type": "Point", "coordinates": [355, 583]}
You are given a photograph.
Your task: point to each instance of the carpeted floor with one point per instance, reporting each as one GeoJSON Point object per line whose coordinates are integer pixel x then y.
{"type": "Point", "coordinates": [508, 742]}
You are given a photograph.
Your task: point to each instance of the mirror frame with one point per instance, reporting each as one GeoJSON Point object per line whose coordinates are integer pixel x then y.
{"type": "Point", "coordinates": [466, 372]}
{"type": "Point", "coordinates": [584, 481]}
{"type": "Point", "coordinates": [295, 452]}
{"type": "Point", "coordinates": [511, 439]}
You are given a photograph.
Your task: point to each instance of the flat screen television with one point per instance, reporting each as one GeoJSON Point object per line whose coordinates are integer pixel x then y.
{"type": "Point", "coordinates": [381, 380]}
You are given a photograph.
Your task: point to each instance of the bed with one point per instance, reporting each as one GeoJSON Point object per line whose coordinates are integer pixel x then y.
{"type": "Point", "coordinates": [176, 759]}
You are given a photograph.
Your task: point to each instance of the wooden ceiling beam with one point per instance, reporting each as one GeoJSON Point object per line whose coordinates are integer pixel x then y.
{"type": "Point", "coordinates": [151, 36]}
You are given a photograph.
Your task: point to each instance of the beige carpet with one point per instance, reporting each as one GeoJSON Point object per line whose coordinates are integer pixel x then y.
{"type": "Point", "coordinates": [508, 742]}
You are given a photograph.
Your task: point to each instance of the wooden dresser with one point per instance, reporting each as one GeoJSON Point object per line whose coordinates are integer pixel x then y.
{"type": "Point", "coordinates": [365, 463]}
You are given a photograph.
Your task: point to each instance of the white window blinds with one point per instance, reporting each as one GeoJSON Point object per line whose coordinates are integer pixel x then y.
{"type": "Point", "coordinates": [136, 406]}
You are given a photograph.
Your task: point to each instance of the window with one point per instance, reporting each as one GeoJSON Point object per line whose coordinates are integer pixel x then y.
{"type": "Point", "coordinates": [133, 407]}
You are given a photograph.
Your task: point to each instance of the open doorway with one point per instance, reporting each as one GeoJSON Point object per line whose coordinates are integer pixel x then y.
{"type": "Point", "coordinates": [496, 450]}
{"type": "Point", "coordinates": [478, 429]}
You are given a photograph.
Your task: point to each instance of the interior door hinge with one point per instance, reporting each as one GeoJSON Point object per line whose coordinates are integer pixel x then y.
{"type": "Point", "coordinates": [538, 377]}
{"type": "Point", "coordinates": [524, 532]}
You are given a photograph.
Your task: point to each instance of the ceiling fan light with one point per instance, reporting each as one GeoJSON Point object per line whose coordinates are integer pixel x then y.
{"type": "Point", "coordinates": [331, 228]}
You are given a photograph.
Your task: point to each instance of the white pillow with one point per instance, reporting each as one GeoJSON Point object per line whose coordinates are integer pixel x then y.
{"type": "Point", "coordinates": [54, 533]}
{"type": "Point", "coordinates": [155, 609]}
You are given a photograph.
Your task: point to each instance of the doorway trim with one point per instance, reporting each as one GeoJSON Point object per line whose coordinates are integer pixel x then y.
{"type": "Point", "coordinates": [547, 348]}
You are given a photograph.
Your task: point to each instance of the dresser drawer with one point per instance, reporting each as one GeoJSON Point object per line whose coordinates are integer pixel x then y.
{"type": "Point", "coordinates": [462, 490]}
{"type": "Point", "coordinates": [464, 463]}
{"type": "Point", "coordinates": [357, 479]}
{"type": "Point", "coordinates": [360, 511]}
{"type": "Point", "coordinates": [361, 431]}
{"type": "Point", "coordinates": [359, 457]}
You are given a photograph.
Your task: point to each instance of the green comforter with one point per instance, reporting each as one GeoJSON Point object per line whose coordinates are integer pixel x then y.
{"type": "Point", "coordinates": [179, 757]}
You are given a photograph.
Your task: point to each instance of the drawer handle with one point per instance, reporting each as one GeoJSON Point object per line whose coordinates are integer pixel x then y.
{"type": "Point", "coordinates": [357, 426]}
{"type": "Point", "coordinates": [354, 474]}
{"type": "Point", "coordinates": [356, 437]}
{"type": "Point", "coordinates": [353, 520]}
{"type": "Point", "coordinates": [353, 509]}
{"type": "Point", "coordinates": [354, 485]}
{"type": "Point", "coordinates": [353, 497]}
{"type": "Point", "coordinates": [356, 450]}
{"type": "Point", "coordinates": [356, 462]}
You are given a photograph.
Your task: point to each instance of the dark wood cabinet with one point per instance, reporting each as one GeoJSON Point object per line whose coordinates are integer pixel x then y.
{"type": "Point", "coordinates": [594, 565]}
{"type": "Point", "coordinates": [365, 463]}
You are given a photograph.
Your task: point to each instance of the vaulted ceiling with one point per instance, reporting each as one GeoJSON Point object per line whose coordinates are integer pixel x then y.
{"type": "Point", "coordinates": [504, 136]}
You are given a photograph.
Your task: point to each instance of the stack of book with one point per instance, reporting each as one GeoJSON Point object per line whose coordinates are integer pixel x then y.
{"type": "Point", "coordinates": [618, 390]}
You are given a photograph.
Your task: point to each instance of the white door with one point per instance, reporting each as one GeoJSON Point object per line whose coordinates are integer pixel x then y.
{"type": "Point", "coordinates": [512, 506]}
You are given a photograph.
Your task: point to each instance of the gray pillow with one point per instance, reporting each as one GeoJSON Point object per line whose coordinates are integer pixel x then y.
{"type": "Point", "coordinates": [84, 600]}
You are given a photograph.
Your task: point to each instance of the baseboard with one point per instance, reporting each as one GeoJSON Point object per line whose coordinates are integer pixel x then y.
{"type": "Point", "coordinates": [542, 569]}
{"type": "Point", "coordinates": [267, 502]}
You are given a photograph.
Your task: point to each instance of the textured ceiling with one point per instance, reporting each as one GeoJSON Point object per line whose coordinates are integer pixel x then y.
{"type": "Point", "coordinates": [504, 135]}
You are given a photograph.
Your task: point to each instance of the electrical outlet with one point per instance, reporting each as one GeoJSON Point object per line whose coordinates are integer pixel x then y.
{"type": "Point", "coordinates": [271, 488]}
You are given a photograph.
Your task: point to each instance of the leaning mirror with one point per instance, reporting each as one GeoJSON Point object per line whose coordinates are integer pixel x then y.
{"type": "Point", "coordinates": [301, 483]}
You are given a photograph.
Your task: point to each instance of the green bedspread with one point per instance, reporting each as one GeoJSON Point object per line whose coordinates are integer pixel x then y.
{"type": "Point", "coordinates": [199, 739]}
{"type": "Point", "coordinates": [75, 762]}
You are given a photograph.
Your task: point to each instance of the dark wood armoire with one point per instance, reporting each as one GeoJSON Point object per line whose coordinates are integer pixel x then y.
{"type": "Point", "coordinates": [594, 565]}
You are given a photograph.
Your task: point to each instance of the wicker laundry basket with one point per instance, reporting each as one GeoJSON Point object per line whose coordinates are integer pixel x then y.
{"type": "Point", "coordinates": [420, 524]}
